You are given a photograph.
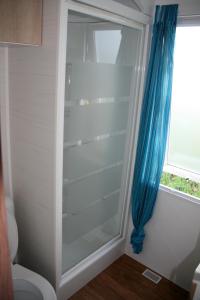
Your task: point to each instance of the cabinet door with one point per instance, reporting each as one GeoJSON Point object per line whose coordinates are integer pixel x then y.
{"type": "Point", "coordinates": [21, 21]}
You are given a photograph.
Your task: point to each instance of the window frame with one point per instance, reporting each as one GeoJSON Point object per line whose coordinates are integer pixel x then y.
{"type": "Point", "coordinates": [182, 21]}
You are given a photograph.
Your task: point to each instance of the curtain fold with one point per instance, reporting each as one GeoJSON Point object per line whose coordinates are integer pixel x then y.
{"type": "Point", "coordinates": [153, 122]}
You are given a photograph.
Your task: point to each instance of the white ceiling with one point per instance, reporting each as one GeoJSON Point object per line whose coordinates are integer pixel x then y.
{"type": "Point", "coordinates": [146, 6]}
{"type": "Point", "coordinates": [130, 3]}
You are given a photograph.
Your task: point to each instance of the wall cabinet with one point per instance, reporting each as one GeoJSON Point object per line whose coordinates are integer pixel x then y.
{"type": "Point", "coordinates": [21, 21]}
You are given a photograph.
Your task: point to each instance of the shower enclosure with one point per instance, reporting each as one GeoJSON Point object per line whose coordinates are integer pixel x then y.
{"type": "Point", "coordinates": [101, 62]}
{"type": "Point", "coordinates": [100, 75]}
{"type": "Point", "coordinates": [71, 121]}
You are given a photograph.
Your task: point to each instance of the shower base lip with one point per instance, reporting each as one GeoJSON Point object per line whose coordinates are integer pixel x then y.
{"type": "Point", "coordinates": [87, 269]}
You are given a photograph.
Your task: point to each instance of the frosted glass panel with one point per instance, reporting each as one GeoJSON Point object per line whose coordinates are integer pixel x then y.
{"type": "Point", "coordinates": [81, 223]}
{"type": "Point", "coordinates": [82, 160]}
{"type": "Point", "coordinates": [184, 146]}
{"type": "Point", "coordinates": [100, 72]}
{"type": "Point", "coordinates": [83, 193]}
{"type": "Point", "coordinates": [107, 45]}
{"type": "Point", "coordinates": [92, 80]}
{"type": "Point", "coordinates": [86, 122]}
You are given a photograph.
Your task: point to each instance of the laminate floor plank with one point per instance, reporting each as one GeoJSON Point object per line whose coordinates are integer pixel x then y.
{"type": "Point", "coordinates": [123, 280]}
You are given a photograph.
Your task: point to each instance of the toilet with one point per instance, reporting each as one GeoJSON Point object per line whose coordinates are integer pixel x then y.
{"type": "Point", "coordinates": [27, 285]}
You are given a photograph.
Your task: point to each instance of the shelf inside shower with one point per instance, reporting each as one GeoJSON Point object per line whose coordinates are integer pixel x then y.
{"type": "Point", "coordinates": [75, 225]}
{"type": "Point", "coordinates": [96, 172]}
{"type": "Point", "coordinates": [87, 101]}
{"type": "Point", "coordinates": [79, 249]}
{"type": "Point", "coordinates": [89, 158]}
{"type": "Point", "coordinates": [89, 121]}
{"type": "Point", "coordinates": [96, 138]}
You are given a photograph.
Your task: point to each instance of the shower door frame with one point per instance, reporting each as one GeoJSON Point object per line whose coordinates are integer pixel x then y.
{"type": "Point", "coordinates": [118, 16]}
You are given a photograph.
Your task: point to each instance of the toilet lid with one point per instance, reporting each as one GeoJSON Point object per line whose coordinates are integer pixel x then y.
{"type": "Point", "coordinates": [24, 290]}
{"type": "Point", "coordinates": [12, 235]}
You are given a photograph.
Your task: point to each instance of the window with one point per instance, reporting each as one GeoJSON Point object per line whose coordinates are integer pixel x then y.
{"type": "Point", "coordinates": [107, 45]}
{"type": "Point", "coordinates": [182, 164]}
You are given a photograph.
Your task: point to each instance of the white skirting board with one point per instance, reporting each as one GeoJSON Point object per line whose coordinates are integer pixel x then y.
{"type": "Point", "coordinates": [72, 283]}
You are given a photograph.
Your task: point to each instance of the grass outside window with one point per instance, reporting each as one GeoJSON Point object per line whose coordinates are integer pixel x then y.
{"type": "Point", "coordinates": [181, 184]}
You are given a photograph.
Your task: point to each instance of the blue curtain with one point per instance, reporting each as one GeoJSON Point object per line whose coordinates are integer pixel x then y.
{"type": "Point", "coordinates": [153, 122]}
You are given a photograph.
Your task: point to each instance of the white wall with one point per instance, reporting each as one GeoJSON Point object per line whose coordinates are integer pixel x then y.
{"type": "Point", "coordinates": [130, 3]}
{"type": "Point", "coordinates": [186, 7]}
{"type": "Point", "coordinates": [4, 115]}
{"type": "Point", "coordinates": [145, 6]}
{"type": "Point", "coordinates": [32, 89]}
{"type": "Point", "coordinates": [172, 244]}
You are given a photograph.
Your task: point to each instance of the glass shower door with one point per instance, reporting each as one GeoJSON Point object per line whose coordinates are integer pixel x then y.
{"type": "Point", "coordinates": [100, 71]}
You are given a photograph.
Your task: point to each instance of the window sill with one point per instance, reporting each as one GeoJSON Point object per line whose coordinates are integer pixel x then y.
{"type": "Point", "coordinates": [179, 194]}
{"type": "Point", "coordinates": [182, 172]}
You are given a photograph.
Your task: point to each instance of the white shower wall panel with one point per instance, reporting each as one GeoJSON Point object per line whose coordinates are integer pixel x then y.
{"type": "Point", "coordinates": [32, 97]}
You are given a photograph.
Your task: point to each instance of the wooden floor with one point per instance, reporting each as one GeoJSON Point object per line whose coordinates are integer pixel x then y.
{"type": "Point", "coordinates": [124, 280]}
